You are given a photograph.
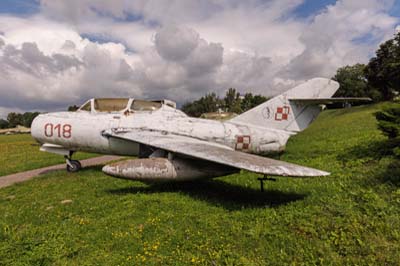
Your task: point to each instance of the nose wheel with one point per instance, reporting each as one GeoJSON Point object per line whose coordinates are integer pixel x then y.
{"type": "Point", "coordinates": [73, 165]}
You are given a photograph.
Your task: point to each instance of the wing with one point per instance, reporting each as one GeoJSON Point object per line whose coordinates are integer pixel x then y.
{"type": "Point", "coordinates": [213, 152]}
{"type": "Point", "coordinates": [312, 101]}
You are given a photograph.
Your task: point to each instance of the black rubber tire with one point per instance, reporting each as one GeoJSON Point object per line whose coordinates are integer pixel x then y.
{"type": "Point", "coordinates": [79, 163]}
{"type": "Point", "coordinates": [75, 166]}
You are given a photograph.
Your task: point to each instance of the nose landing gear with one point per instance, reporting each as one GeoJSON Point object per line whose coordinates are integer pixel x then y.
{"type": "Point", "coordinates": [72, 165]}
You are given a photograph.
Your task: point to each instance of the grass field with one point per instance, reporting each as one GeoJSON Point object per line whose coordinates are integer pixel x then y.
{"type": "Point", "coordinates": [348, 218]}
{"type": "Point", "coordinates": [21, 153]}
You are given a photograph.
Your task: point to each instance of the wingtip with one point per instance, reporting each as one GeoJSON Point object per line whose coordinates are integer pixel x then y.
{"type": "Point", "coordinates": [323, 173]}
{"type": "Point", "coordinates": [317, 173]}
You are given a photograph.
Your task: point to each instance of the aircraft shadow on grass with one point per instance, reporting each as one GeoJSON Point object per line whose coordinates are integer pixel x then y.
{"type": "Point", "coordinates": [219, 193]}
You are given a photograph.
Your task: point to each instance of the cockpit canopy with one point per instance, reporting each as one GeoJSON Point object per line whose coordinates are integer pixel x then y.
{"type": "Point", "coordinates": [112, 105]}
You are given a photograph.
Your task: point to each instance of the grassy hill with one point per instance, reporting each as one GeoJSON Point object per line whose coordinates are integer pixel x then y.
{"type": "Point", "coordinates": [348, 218]}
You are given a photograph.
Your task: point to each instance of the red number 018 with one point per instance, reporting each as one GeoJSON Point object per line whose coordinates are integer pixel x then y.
{"type": "Point", "coordinates": [61, 131]}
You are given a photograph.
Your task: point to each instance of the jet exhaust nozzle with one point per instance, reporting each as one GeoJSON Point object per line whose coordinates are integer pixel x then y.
{"type": "Point", "coordinates": [162, 169]}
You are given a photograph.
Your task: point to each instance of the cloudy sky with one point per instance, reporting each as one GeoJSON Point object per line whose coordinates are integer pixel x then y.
{"type": "Point", "coordinates": [54, 53]}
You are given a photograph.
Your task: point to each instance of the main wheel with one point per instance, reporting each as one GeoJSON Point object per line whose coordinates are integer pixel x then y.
{"type": "Point", "coordinates": [73, 166]}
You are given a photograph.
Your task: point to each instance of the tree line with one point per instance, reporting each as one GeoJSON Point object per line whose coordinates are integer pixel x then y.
{"type": "Point", "coordinates": [232, 102]}
{"type": "Point", "coordinates": [17, 119]}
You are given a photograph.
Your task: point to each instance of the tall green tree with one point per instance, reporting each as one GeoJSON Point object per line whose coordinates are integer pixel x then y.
{"type": "Point", "coordinates": [27, 118]}
{"type": "Point", "coordinates": [247, 102]}
{"type": "Point", "coordinates": [15, 119]}
{"type": "Point", "coordinates": [232, 101]}
{"type": "Point", "coordinates": [353, 83]}
{"type": "Point", "coordinates": [383, 70]}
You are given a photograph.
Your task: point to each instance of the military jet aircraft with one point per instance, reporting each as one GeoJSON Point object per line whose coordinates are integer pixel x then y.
{"type": "Point", "coordinates": [172, 146]}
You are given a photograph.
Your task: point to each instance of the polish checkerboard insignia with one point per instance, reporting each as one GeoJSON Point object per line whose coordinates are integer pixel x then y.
{"type": "Point", "coordinates": [282, 113]}
{"type": "Point", "coordinates": [243, 142]}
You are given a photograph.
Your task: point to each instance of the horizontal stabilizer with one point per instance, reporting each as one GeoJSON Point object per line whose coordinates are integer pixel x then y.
{"type": "Point", "coordinates": [313, 101]}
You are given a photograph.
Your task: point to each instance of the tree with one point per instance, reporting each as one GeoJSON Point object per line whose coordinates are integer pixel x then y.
{"type": "Point", "coordinates": [257, 100]}
{"type": "Point", "coordinates": [232, 101]}
{"type": "Point", "coordinates": [28, 117]}
{"type": "Point", "coordinates": [249, 101]}
{"type": "Point", "coordinates": [206, 104]}
{"type": "Point", "coordinates": [3, 124]}
{"type": "Point", "coordinates": [383, 71]}
{"type": "Point", "coordinates": [15, 119]}
{"type": "Point", "coordinates": [353, 83]}
{"type": "Point", "coordinates": [25, 119]}
{"type": "Point", "coordinates": [389, 124]}
{"type": "Point", "coordinates": [389, 121]}
{"type": "Point", "coordinates": [73, 108]}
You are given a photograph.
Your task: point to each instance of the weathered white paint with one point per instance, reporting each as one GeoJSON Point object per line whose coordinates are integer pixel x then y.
{"type": "Point", "coordinates": [262, 130]}
{"type": "Point", "coordinates": [86, 129]}
{"type": "Point", "coordinates": [299, 116]}
{"type": "Point", "coordinates": [163, 169]}
{"type": "Point", "coordinates": [212, 153]}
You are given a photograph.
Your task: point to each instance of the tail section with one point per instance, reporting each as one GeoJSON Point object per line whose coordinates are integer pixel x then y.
{"type": "Point", "coordinates": [287, 111]}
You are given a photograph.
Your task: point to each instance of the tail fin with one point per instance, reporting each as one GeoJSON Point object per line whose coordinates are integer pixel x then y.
{"type": "Point", "coordinates": [282, 113]}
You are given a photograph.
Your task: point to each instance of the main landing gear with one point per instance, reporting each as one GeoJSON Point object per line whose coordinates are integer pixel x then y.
{"type": "Point", "coordinates": [262, 179]}
{"type": "Point", "coordinates": [72, 165]}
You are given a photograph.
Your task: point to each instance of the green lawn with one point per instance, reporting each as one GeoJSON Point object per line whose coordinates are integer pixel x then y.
{"type": "Point", "coordinates": [20, 153]}
{"type": "Point", "coordinates": [348, 218]}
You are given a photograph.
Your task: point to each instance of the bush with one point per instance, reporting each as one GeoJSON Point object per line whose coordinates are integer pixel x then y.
{"type": "Point", "coordinates": [389, 124]}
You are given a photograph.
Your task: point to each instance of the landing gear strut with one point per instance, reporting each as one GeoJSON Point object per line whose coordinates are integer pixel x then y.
{"type": "Point", "coordinates": [262, 179]}
{"type": "Point", "coordinates": [72, 165]}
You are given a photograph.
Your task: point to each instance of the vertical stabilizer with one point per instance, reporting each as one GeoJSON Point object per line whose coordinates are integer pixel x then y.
{"type": "Point", "coordinates": [281, 113]}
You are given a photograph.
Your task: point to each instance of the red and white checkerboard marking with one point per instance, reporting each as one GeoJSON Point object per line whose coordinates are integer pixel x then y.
{"type": "Point", "coordinates": [282, 113]}
{"type": "Point", "coordinates": [243, 142]}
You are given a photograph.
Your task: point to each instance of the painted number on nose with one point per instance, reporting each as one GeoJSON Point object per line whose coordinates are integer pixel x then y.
{"type": "Point", "coordinates": [59, 130]}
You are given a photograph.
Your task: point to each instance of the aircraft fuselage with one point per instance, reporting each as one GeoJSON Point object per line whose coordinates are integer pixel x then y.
{"type": "Point", "coordinates": [82, 131]}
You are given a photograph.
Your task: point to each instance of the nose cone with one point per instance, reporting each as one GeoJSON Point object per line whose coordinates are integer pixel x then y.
{"type": "Point", "coordinates": [37, 128]}
{"type": "Point", "coordinates": [109, 170]}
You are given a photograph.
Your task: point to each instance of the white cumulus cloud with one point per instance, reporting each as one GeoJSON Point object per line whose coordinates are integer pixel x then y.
{"type": "Point", "coordinates": [180, 49]}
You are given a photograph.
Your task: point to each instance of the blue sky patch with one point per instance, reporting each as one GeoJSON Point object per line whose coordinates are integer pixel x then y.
{"type": "Point", "coordinates": [19, 7]}
{"type": "Point", "coordinates": [312, 7]}
{"type": "Point", "coordinates": [395, 10]}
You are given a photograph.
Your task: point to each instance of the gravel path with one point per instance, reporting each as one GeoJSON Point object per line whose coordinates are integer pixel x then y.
{"type": "Point", "coordinates": [8, 180]}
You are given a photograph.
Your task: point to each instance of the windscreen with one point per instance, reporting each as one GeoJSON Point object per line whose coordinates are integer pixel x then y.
{"type": "Point", "coordinates": [110, 105]}
{"type": "Point", "coordinates": [86, 107]}
{"type": "Point", "coordinates": [140, 105]}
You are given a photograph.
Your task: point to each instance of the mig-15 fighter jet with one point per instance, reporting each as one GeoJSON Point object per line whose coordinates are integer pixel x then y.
{"type": "Point", "coordinates": [172, 146]}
